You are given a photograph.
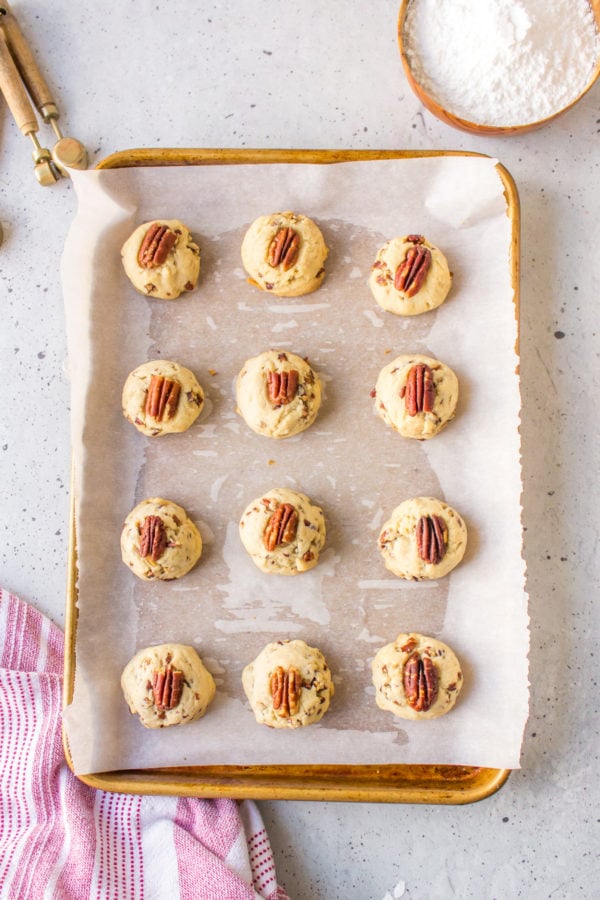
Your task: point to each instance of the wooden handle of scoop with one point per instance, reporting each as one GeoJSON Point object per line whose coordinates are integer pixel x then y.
{"type": "Point", "coordinates": [25, 61]}
{"type": "Point", "coordinates": [14, 92]}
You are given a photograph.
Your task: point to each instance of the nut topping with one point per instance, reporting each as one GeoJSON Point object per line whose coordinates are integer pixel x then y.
{"type": "Point", "coordinates": [432, 539]}
{"type": "Point", "coordinates": [409, 646]}
{"type": "Point", "coordinates": [284, 248]}
{"type": "Point", "coordinates": [162, 398]}
{"type": "Point", "coordinates": [420, 682]}
{"type": "Point", "coordinates": [282, 387]}
{"type": "Point", "coordinates": [281, 527]}
{"type": "Point", "coordinates": [419, 390]}
{"type": "Point", "coordinates": [153, 538]}
{"type": "Point", "coordinates": [411, 273]}
{"type": "Point", "coordinates": [158, 242]}
{"type": "Point", "coordinates": [167, 686]}
{"type": "Point", "coordinates": [285, 691]}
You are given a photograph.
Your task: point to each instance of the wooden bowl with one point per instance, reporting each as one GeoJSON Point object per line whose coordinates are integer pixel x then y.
{"type": "Point", "coordinates": [479, 127]}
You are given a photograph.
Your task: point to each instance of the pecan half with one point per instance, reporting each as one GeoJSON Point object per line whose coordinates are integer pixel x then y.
{"type": "Point", "coordinates": [432, 539]}
{"type": "Point", "coordinates": [158, 242]}
{"type": "Point", "coordinates": [411, 273]}
{"type": "Point", "coordinates": [153, 538]}
{"type": "Point", "coordinates": [281, 527]}
{"type": "Point", "coordinates": [284, 248]}
{"type": "Point", "coordinates": [285, 687]}
{"type": "Point", "coordinates": [420, 681]}
{"type": "Point", "coordinates": [162, 397]}
{"type": "Point", "coordinates": [167, 686]}
{"type": "Point", "coordinates": [419, 390]}
{"type": "Point", "coordinates": [282, 387]}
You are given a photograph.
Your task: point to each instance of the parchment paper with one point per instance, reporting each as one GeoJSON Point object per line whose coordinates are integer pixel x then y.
{"type": "Point", "coordinates": [348, 462]}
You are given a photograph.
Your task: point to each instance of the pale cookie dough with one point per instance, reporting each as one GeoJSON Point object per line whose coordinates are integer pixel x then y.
{"type": "Point", "coordinates": [159, 541]}
{"type": "Point", "coordinates": [416, 395]}
{"type": "Point", "coordinates": [283, 532]}
{"type": "Point", "coordinates": [285, 254]}
{"type": "Point", "coordinates": [167, 685]}
{"type": "Point", "coordinates": [410, 276]}
{"type": "Point", "coordinates": [278, 394]}
{"type": "Point", "coordinates": [416, 677]}
{"type": "Point", "coordinates": [162, 397]}
{"type": "Point", "coordinates": [424, 538]}
{"type": "Point", "coordinates": [289, 685]}
{"type": "Point", "coordinates": [161, 271]}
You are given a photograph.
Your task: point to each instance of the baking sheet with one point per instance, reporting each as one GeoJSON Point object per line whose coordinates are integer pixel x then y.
{"type": "Point", "coordinates": [348, 462]}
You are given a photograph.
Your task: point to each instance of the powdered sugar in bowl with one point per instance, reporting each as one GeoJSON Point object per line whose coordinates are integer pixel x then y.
{"type": "Point", "coordinates": [500, 66]}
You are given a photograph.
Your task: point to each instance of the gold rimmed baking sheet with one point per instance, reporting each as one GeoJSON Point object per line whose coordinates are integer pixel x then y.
{"type": "Point", "coordinates": [393, 783]}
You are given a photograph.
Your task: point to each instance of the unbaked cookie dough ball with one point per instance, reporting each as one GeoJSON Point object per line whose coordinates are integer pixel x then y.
{"type": "Point", "coordinates": [410, 276]}
{"type": "Point", "coordinates": [161, 259]}
{"type": "Point", "coordinates": [285, 254]}
{"type": "Point", "coordinates": [289, 685]}
{"type": "Point", "coordinates": [278, 394]}
{"type": "Point", "coordinates": [159, 541]}
{"type": "Point", "coordinates": [283, 532]}
{"type": "Point", "coordinates": [416, 677]}
{"type": "Point", "coordinates": [167, 685]}
{"type": "Point", "coordinates": [424, 538]}
{"type": "Point", "coordinates": [416, 395]}
{"type": "Point", "coordinates": [162, 397]}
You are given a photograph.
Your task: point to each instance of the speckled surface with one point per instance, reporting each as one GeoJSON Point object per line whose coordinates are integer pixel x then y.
{"type": "Point", "coordinates": [328, 75]}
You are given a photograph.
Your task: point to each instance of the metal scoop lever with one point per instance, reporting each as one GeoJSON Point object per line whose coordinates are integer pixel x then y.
{"type": "Point", "coordinates": [67, 152]}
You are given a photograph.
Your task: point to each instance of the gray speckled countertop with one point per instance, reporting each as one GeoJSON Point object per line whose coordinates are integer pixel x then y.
{"type": "Point", "coordinates": [328, 75]}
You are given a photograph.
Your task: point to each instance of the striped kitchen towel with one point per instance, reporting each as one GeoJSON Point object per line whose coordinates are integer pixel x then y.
{"type": "Point", "coordinates": [63, 840]}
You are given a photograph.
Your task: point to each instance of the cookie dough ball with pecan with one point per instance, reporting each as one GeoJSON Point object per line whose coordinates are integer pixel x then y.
{"type": "Point", "coordinates": [161, 259]}
{"type": "Point", "coordinates": [283, 532]}
{"type": "Point", "coordinates": [289, 685]}
{"type": "Point", "coordinates": [416, 677]}
{"type": "Point", "coordinates": [285, 254]}
{"type": "Point", "coordinates": [167, 685]}
{"type": "Point", "coordinates": [159, 541]}
{"type": "Point", "coordinates": [162, 397]}
{"type": "Point", "coordinates": [278, 394]}
{"type": "Point", "coordinates": [424, 538]}
{"type": "Point", "coordinates": [416, 395]}
{"type": "Point", "coordinates": [410, 276]}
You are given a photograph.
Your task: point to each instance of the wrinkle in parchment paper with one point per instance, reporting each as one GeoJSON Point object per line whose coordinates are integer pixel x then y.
{"type": "Point", "coordinates": [348, 462]}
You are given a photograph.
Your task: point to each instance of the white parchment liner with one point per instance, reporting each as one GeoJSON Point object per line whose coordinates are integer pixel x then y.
{"type": "Point", "coordinates": [349, 462]}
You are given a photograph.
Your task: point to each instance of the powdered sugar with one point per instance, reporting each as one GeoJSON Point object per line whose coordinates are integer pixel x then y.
{"type": "Point", "coordinates": [502, 62]}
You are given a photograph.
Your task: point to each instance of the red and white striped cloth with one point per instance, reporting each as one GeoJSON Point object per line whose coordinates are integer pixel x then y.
{"type": "Point", "coordinates": [60, 838]}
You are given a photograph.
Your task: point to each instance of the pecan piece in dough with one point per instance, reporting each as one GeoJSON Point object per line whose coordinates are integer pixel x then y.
{"type": "Point", "coordinates": [282, 387]}
{"type": "Point", "coordinates": [285, 690]}
{"type": "Point", "coordinates": [167, 687]}
{"type": "Point", "coordinates": [281, 527]}
{"type": "Point", "coordinates": [284, 248]}
{"type": "Point", "coordinates": [411, 273]}
{"type": "Point", "coordinates": [158, 242]}
{"type": "Point", "coordinates": [432, 539]}
{"type": "Point", "coordinates": [162, 398]}
{"type": "Point", "coordinates": [153, 538]}
{"type": "Point", "coordinates": [420, 681]}
{"type": "Point", "coordinates": [419, 390]}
